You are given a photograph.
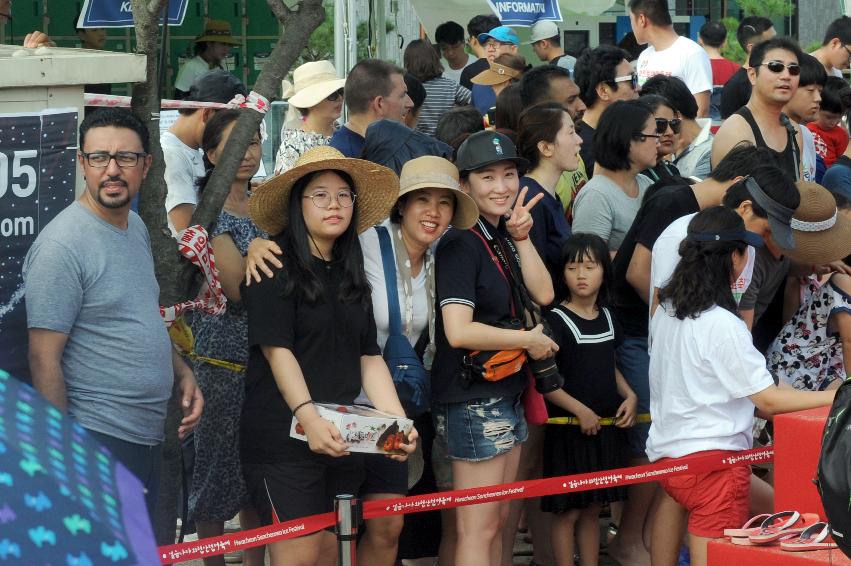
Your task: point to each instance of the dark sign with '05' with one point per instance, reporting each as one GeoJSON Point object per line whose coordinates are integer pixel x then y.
{"type": "Point", "coordinates": [37, 177]}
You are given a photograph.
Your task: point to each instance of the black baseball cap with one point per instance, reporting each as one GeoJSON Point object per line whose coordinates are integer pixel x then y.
{"type": "Point", "coordinates": [486, 148]}
{"type": "Point", "coordinates": [216, 86]}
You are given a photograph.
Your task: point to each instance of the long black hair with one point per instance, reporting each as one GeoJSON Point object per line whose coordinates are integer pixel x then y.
{"type": "Point", "coordinates": [578, 247]}
{"type": "Point", "coordinates": [703, 276]}
{"type": "Point", "coordinates": [298, 277]}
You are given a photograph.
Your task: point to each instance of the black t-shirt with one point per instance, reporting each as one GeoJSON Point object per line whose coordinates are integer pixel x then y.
{"type": "Point", "coordinates": [550, 229]}
{"type": "Point", "coordinates": [465, 274]}
{"type": "Point", "coordinates": [656, 213]}
{"type": "Point", "coordinates": [586, 152]}
{"type": "Point", "coordinates": [736, 93]}
{"type": "Point", "coordinates": [586, 359]}
{"type": "Point", "coordinates": [327, 339]}
{"type": "Point", "coordinates": [471, 71]}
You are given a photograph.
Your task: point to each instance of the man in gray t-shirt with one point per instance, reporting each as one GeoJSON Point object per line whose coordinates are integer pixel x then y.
{"type": "Point", "coordinates": [98, 346]}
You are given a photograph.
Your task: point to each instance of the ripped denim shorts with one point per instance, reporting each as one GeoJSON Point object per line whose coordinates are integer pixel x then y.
{"type": "Point", "coordinates": [480, 429]}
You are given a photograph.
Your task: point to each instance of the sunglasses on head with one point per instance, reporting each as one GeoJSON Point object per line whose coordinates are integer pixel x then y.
{"type": "Point", "coordinates": [334, 96]}
{"type": "Point", "coordinates": [663, 123]}
{"type": "Point", "coordinates": [777, 67]}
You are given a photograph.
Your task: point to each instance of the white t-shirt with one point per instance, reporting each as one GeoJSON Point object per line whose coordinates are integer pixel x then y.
{"type": "Point", "coordinates": [417, 311]}
{"type": "Point", "coordinates": [190, 71]}
{"type": "Point", "coordinates": [455, 75]}
{"type": "Point", "coordinates": [183, 166]}
{"type": "Point", "coordinates": [666, 255]}
{"type": "Point", "coordinates": [684, 59]}
{"type": "Point", "coordinates": [702, 371]}
{"type": "Point", "coordinates": [808, 155]}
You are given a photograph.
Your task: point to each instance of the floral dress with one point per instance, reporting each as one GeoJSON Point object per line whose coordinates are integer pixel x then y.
{"type": "Point", "coordinates": [217, 491]}
{"type": "Point", "coordinates": [808, 351]}
{"type": "Point", "coordinates": [294, 142]}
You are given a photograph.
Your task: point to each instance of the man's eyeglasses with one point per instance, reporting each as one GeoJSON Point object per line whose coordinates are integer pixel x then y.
{"type": "Point", "coordinates": [335, 96]}
{"type": "Point", "coordinates": [642, 137]}
{"type": "Point", "coordinates": [663, 123]}
{"type": "Point", "coordinates": [494, 44]}
{"type": "Point", "coordinates": [777, 67]}
{"type": "Point", "coordinates": [322, 199]}
{"type": "Point", "coordinates": [848, 51]}
{"type": "Point", "coordinates": [101, 159]}
{"type": "Point", "coordinates": [633, 80]}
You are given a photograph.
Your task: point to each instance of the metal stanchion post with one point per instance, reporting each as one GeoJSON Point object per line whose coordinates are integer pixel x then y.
{"type": "Point", "coordinates": [347, 510]}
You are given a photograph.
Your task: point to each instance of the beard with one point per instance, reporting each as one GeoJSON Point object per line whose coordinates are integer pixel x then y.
{"type": "Point", "coordinates": [113, 202]}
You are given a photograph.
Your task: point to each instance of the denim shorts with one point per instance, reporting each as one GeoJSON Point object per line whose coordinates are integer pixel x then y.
{"type": "Point", "coordinates": [480, 429]}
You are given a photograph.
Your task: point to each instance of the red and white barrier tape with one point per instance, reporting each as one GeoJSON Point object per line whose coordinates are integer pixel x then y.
{"type": "Point", "coordinates": [254, 100]}
{"type": "Point", "coordinates": [194, 245]}
{"type": "Point", "coordinates": [430, 502]}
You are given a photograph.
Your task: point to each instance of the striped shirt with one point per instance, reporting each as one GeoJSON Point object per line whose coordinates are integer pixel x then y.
{"type": "Point", "coordinates": [441, 95]}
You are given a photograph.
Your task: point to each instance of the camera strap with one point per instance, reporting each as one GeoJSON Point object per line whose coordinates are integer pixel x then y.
{"type": "Point", "coordinates": [508, 270]}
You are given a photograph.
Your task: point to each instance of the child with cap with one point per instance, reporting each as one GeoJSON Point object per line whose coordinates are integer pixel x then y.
{"type": "Point", "coordinates": [481, 274]}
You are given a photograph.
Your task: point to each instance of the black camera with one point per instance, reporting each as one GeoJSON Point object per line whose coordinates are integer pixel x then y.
{"type": "Point", "coordinates": [547, 377]}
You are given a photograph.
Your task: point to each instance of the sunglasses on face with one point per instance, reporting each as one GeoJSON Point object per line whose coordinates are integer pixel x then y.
{"type": "Point", "coordinates": [663, 123]}
{"type": "Point", "coordinates": [642, 137]}
{"type": "Point", "coordinates": [334, 96]}
{"type": "Point", "coordinates": [632, 79]}
{"type": "Point", "coordinates": [777, 67]}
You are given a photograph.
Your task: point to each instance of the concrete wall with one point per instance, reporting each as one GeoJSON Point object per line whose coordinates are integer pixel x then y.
{"type": "Point", "coordinates": [813, 18]}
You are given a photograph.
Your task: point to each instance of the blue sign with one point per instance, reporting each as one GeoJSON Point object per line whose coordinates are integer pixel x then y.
{"type": "Point", "coordinates": [525, 12]}
{"type": "Point", "coordinates": [119, 13]}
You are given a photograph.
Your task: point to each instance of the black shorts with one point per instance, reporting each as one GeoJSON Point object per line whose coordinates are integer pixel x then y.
{"type": "Point", "coordinates": [384, 475]}
{"type": "Point", "coordinates": [303, 486]}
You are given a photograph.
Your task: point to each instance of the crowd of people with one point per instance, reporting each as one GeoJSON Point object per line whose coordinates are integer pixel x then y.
{"type": "Point", "coordinates": [598, 262]}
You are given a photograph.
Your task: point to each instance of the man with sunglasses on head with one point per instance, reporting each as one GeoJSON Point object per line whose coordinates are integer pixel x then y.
{"type": "Point", "coordinates": [604, 76]}
{"type": "Point", "coordinates": [668, 53]}
{"type": "Point", "coordinates": [774, 72]}
{"type": "Point", "coordinates": [98, 347]}
{"type": "Point", "coordinates": [835, 50]}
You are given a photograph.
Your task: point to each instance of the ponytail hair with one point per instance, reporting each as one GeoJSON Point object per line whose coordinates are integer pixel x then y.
{"type": "Point", "coordinates": [704, 274]}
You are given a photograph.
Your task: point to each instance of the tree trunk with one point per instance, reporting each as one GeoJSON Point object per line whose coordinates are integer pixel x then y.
{"type": "Point", "coordinates": [177, 278]}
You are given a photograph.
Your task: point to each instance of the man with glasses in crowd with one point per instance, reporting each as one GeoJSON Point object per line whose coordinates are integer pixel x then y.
{"type": "Point", "coordinates": [604, 76]}
{"type": "Point", "coordinates": [449, 37]}
{"type": "Point", "coordinates": [498, 41]}
{"type": "Point", "coordinates": [774, 72]}
{"type": "Point", "coordinates": [835, 50]}
{"type": "Point", "coordinates": [475, 27]}
{"type": "Point", "coordinates": [98, 347]}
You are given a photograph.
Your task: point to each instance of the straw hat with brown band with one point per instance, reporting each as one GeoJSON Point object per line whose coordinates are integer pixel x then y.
{"type": "Point", "coordinates": [377, 189]}
{"type": "Point", "coordinates": [822, 233]}
{"type": "Point", "coordinates": [430, 172]}
{"type": "Point", "coordinates": [496, 74]}
{"type": "Point", "coordinates": [217, 30]}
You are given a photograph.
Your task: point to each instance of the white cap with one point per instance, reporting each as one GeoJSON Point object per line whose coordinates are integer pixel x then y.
{"type": "Point", "coordinates": [543, 29]}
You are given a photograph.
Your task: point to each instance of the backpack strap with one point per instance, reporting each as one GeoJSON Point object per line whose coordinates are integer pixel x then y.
{"type": "Point", "coordinates": [388, 259]}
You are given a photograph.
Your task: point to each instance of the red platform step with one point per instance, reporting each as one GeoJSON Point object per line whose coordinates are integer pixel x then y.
{"type": "Point", "coordinates": [724, 553]}
{"type": "Point", "coordinates": [797, 443]}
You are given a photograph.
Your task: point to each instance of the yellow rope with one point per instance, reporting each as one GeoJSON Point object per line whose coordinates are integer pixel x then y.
{"type": "Point", "coordinates": [605, 421]}
{"type": "Point", "coordinates": [184, 341]}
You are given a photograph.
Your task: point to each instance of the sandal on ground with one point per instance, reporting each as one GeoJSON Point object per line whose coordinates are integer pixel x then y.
{"type": "Point", "coordinates": [749, 528]}
{"type": "Point", "coordinates": [814, 537]}
{"type": "Point", "coordinates": [774, 533]}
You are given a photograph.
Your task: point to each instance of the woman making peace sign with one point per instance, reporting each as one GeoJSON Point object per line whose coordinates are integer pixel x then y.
{"type": "Point", "coordinates": [479, 368]}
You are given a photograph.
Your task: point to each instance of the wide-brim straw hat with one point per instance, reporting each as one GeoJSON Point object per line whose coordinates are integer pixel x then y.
{"type": "Point", "coordinates": [377, 189]}
{"type": "Point", "coordinates": [430, 172]}
{"type": "Point", "coordinates": [496, 74]}
{"type": "Point", "coordinates": [822, 233]}
{"type": "Point", "coordinates": [217, 30]}
{"type": "Point", "coordinates": [312, 83]}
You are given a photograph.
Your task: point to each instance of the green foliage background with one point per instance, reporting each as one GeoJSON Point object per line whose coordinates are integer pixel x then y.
{"type": "Point", "coordinates": [766, 8]}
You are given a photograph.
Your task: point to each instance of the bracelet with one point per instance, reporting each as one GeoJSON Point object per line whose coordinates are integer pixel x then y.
{"type": "Point", "coordinates": [308, 402]}
{"type": "Point", "coordinates": [526, 237]}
